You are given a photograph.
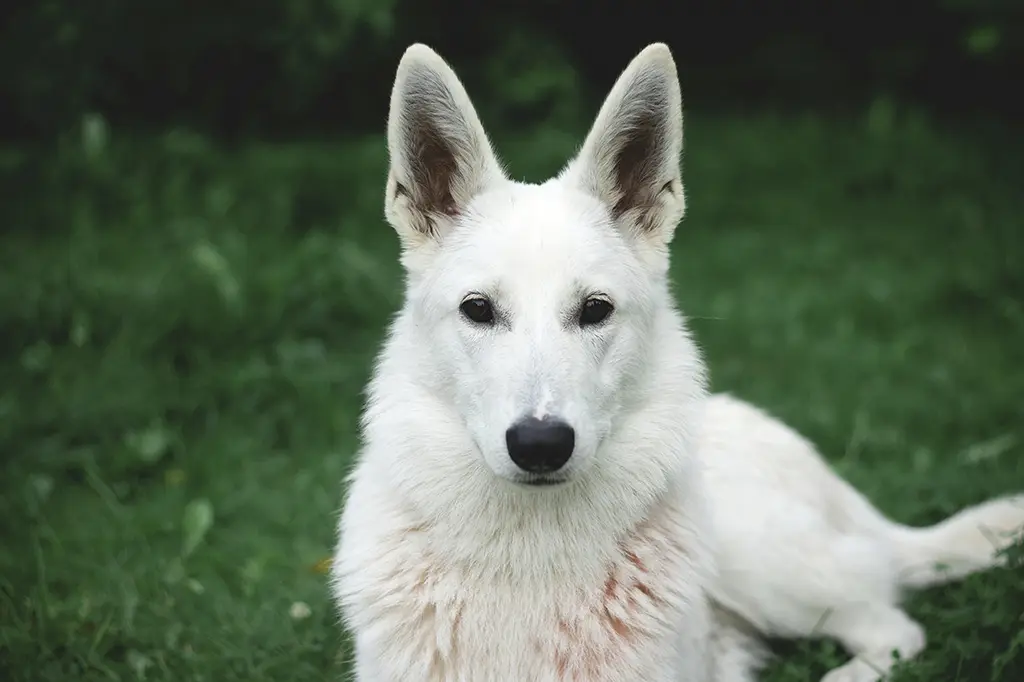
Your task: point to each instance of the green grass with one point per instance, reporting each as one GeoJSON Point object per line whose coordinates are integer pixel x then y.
{"type": "Point", "coordinates": [186, 332]}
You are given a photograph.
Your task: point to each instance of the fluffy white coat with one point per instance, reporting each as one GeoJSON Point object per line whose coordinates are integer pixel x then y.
{"type": "Point", "coordinates": [686, 526]}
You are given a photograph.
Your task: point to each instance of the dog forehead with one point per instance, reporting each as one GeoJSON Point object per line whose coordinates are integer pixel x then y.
{"type": "Point", "coordinates": [537, 247]}
{"type": "Point", "coordinates": [542, 230]}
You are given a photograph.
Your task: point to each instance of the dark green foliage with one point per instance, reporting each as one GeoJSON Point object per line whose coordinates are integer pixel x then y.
{"type": "Point", "coordinates": [271, 65]}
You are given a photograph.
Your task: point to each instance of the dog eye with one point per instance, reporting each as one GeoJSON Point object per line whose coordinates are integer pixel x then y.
{"type": "Point", "coordinates": [594, 311]}
{"type": "Point", "coordinates": [478, 310]}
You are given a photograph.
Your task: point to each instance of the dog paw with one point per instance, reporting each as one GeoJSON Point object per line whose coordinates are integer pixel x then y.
{"type": "Point", "coordinates": [854, 671]}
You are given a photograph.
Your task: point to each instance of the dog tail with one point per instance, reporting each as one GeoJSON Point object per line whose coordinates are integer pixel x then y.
{"type": "Point", "coordinates": [967, 542]}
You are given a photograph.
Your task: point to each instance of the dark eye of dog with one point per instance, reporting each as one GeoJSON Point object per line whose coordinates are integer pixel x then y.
{"type": "Point", "coordinates": [595, 311]}
{"type": "Point", "coordinates": [478, 310]}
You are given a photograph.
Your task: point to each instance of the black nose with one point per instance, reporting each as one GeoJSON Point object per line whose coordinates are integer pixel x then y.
{"type": "Point", "coordinates": [540, 446]}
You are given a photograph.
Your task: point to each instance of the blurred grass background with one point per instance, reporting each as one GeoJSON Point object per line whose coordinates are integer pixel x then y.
{"type": "Point", "coordinates": [195, 275]}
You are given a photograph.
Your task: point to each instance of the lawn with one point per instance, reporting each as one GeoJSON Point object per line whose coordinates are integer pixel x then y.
{"type": "Point", "coordinates": [186, 330]}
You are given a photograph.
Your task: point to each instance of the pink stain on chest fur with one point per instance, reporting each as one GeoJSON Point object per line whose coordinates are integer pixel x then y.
{"type": "Point", "coordinates": [605, 633]}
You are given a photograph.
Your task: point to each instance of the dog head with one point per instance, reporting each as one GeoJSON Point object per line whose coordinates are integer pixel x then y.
{"type": "Point", "coordinates": [537, 304]}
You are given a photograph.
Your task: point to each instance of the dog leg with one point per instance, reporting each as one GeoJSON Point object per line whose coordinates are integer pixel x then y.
{"type": "Point", "coordinates": [737, 652]}
{"type": "Point", "coordinates": [872, 633]}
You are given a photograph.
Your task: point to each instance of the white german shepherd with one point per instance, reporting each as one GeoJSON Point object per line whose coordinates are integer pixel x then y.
{"type": "Point", "coordinates": [545, 491]}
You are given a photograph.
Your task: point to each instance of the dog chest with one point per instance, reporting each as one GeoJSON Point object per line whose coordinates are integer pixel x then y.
{"type": "Point", "coordinates": [642, 617]}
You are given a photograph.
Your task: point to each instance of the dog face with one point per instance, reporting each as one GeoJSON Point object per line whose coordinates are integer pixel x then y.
{"type": "Point", "coordinates": [536, 302]}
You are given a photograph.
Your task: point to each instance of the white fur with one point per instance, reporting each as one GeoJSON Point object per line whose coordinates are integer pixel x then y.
{"type": "Point", "coordinates": [689, 525]}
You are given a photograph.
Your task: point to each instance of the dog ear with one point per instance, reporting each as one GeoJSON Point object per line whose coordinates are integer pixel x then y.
{"type": "Point", "coordinates": [631, 157]}
{"type": "Point", "coordinates": [439, 153]}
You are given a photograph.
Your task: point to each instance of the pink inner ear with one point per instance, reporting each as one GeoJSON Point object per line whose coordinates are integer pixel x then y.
{"type": "Point", "coordinates": [433, 166]}
{"type": "Point", "coordinates": [636, 166]}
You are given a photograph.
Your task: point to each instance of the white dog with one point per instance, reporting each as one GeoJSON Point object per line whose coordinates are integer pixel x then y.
{"type": "Point", "coordinates": [545, 491]}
